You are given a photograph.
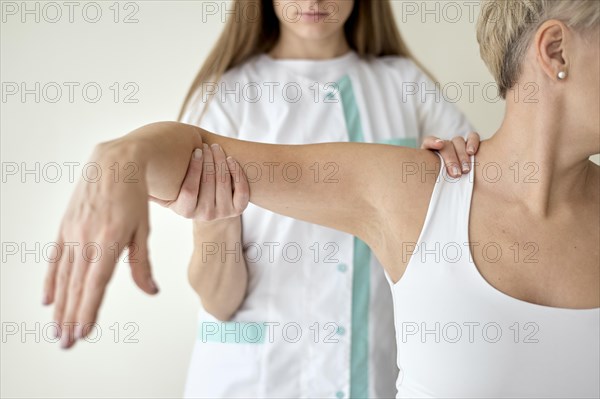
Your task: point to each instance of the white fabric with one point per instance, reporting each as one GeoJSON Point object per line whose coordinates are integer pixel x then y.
{"type": "Point", "coordinates": [458, 336]}
{"type": "Point", "coordinates": [308, 292]}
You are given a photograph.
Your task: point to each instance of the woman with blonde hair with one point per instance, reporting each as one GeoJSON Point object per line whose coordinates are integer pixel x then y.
{"type": "Point", "coordinates": [469, 323]}
{"type": "Point", "coordinates": [299, 72]}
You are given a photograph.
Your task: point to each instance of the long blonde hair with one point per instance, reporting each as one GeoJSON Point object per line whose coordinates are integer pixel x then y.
{"type": "Point", "coordinates": [370, 31]}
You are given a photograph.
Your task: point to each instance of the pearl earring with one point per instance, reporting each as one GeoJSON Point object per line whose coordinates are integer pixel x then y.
{"type": "Point", "coordinates": [562, 75]}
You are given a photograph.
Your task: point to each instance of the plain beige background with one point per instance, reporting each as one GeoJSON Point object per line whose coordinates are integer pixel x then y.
{"type": "Point", "coordinates": [158, 55]}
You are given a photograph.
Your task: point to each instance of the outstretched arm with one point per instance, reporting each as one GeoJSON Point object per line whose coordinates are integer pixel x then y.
{"type": "Point", "coordinates": [369, 190]}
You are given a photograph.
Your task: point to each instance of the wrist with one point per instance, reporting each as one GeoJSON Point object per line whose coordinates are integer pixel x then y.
{"type": "Point", "coordinates": [120, 150]}
{"type": "Point", "coordinates": [123, 156]}
{"type": "Point", "coordinates": [225, 230]}
{"type": "Point", "coordinates": [229, 223]}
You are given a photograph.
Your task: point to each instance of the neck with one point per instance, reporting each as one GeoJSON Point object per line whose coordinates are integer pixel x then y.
{"type": "Point", "coordinates": [290, 46]}
{"type": "Point", "coordinates": [544, 161]}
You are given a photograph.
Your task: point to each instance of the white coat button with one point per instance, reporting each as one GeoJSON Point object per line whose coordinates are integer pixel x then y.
{"type": "Point", "coordinates": [339, 394]}
{"type": "Point", "coordinates": [342, 267]}
{"type": "Point", "coordinates": [340, 330]}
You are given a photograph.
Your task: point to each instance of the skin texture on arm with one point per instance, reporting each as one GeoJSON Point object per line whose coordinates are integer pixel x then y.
{"type": "Point", "coordinates": [217, 270]}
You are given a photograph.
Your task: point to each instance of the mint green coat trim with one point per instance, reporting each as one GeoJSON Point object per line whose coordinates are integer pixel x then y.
{"type": "Point", "coordinates": [361, 281]}
{"type": "Point", "coordinates": [404, 142]}
{"type": "Point", "coordinates": [361, 275]}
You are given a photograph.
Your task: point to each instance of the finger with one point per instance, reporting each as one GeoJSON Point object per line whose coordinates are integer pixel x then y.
{"type": "Point", "coordinates": [241, 188]}
{"type": "Point", "coordinates": [50, 279]}
{"type": "Point", "coordinates": [94, 287]}
{"type": "Point", "coordinates": [223, 194]}
{"type": "Point", "coordinates": [206, 199]}
{"type": "Point", "coordinates": [139, 262]}
{"type": "Point", "coordinates": [432, 143]}
{"type": "Point", "coordinates": [450, 158]}
{"type": "Point", "coordinates": [473, 140]}
{"type": "Point", "coordinates": [63, 275]}
{"type": "Point", "coordinates": [461, 151]}
{"type": "Point", "coordinates": [187, 200]}
{"type": "Point", "coordinates": [75, 289]}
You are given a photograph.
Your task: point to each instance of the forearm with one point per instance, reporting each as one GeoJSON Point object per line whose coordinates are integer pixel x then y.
{"type": "Point", "coordinates": [160, 152]}
{"type": "Point", "coordinates": [217, 270]}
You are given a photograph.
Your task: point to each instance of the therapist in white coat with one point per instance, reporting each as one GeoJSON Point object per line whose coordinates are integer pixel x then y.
{"type": "Point", "coordinates": [292, 309]}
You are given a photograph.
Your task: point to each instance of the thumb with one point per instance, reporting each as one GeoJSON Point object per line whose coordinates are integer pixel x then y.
{"type": "Point", "coordinates": [159, 201]}
{"type": "Point", "coordinates": [139, 261]}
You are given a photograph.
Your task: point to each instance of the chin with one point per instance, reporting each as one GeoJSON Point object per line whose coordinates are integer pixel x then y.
{"type": "Point", "coordinates": [314, 32]}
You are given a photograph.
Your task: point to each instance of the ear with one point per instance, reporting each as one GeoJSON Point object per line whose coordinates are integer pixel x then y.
{"type": "Point", "coordinates": [550, 41]}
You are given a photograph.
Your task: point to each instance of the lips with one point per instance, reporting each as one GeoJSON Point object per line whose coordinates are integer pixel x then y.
{"type": "Point", "coordinates": [314, 16]}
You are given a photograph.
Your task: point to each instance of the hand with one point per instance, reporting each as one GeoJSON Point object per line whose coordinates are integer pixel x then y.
{"type": "Point", "coordinates": [213, 188]}
{"type": "Point", "coordinates": [456, 152]}
{"type": "Point", "coordinates": [102, 218]}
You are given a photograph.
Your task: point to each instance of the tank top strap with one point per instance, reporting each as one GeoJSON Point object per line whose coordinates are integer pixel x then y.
{"type": "Point", "coordinates": [447, 218]}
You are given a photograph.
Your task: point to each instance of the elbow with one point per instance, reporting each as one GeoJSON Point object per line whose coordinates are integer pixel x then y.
{"type": "Point", "coordinates": [218, 309]}
{"type": "Point", "coordinates": [218, 312]}
{"type": "Point", "coordinates": [222, 306]}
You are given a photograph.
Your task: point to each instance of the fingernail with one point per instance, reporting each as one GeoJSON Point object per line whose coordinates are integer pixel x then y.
{"type": "Point", "coordinates": [205, 146]}
{"type": "Point", "coordinates": [465, 167]}
{"type": "Point", "coordinates": [77, 333]}
{"type": "Point", "coordinates": [455, 171]}
{"type": "Point", "coordinates": [439, 141]}
{"type": "Point", "coordinates": [153, 285]}
{"type": "Point", "coordinates": [64, 341]}
{"type": "Point", "coordinates": [471, 150]}
{"type": "Point", "coordinates": [197, 153]}
{"type": "Point", "coordinates": [215, 146]}
{"type": "Point", "coordinates": [45, 299]}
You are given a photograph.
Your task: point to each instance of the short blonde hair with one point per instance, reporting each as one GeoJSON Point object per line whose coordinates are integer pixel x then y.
{"type": "Point", "coordinates": [505, 29]}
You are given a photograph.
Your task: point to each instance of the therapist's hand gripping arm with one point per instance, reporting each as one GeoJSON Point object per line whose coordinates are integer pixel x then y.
{"type": "Point", "coordinates": [217, 270]}
{"type": "Point", "coordinates": [456, 152]}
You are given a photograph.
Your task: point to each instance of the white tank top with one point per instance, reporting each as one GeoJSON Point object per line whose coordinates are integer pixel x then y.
{"type": "Point", "coordinates": [458, 336]}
